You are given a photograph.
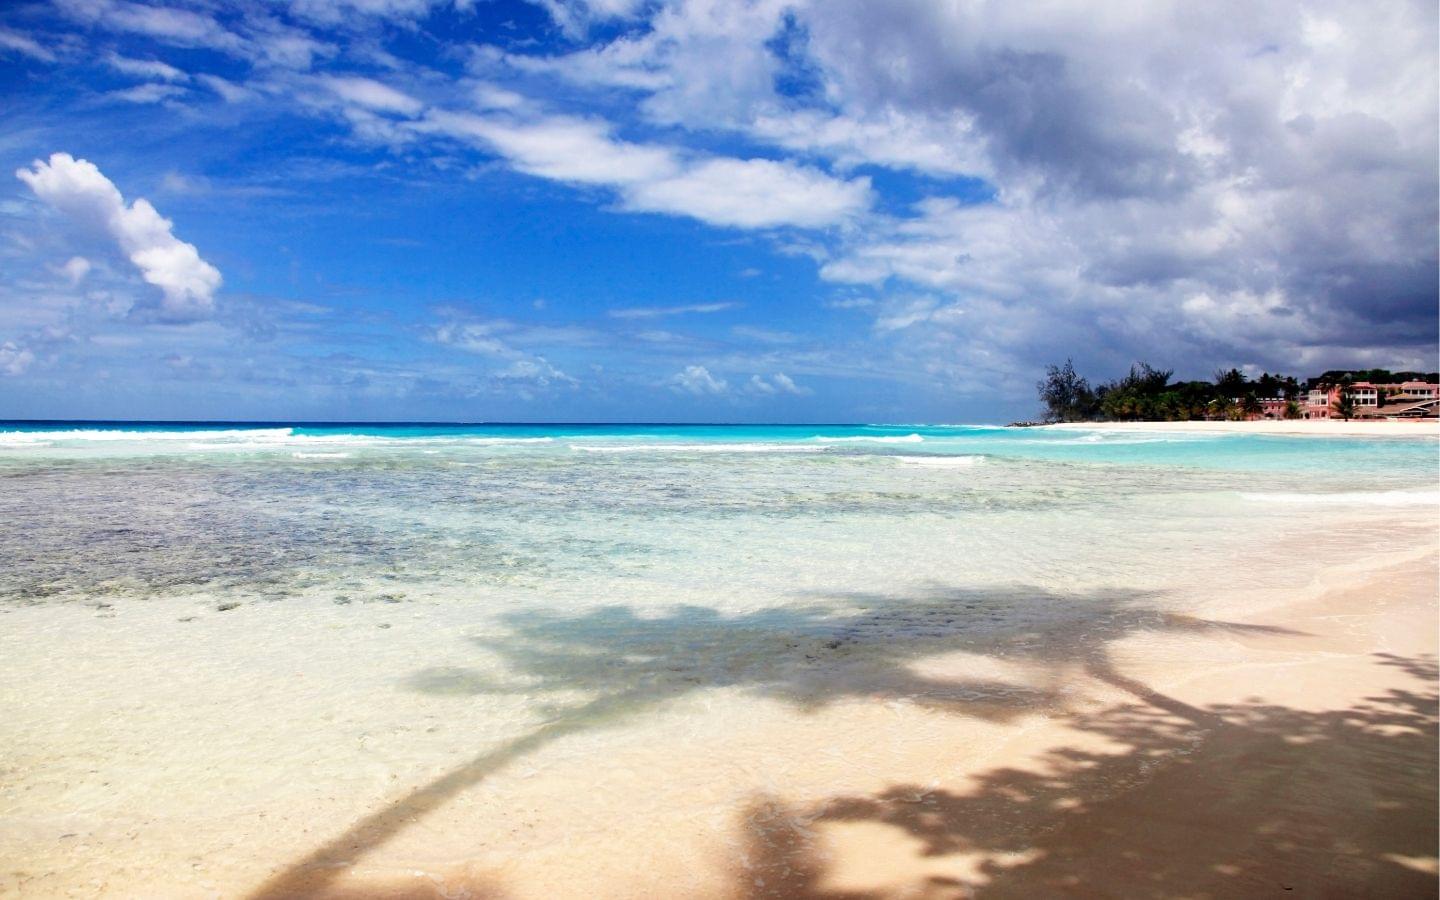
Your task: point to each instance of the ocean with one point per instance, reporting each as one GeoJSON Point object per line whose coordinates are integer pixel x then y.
{"type": "Point", "coordinates": [254, 644]}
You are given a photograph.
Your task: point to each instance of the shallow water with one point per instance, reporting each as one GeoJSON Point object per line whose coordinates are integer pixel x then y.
{"type": "Point", "coordinates": [207, 625]}
{"type": "Point", "coordinates": [736, 515]}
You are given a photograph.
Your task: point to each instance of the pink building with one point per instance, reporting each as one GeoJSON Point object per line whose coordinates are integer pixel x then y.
{"type": "Point", "coordinates": [1410, 399]}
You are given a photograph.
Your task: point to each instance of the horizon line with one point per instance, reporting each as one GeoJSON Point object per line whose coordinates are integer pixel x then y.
{"type": "Point", "coordinates": [328, 423]}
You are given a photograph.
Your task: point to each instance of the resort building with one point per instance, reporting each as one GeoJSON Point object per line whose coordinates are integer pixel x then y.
{"type": "Point", "coordinates": [1407, 400]}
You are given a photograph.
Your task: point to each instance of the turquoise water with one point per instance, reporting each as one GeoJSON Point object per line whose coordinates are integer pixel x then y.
{"type": "Point", "coordinates": [1404, 456]}
{"type": "Point", "coordinates": [724, 515]}
{"type": "Point", "coordinates": [227, 648]}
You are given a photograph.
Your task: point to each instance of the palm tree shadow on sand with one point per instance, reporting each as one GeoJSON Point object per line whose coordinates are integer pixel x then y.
{"type": "Point", "coordinates": [809, 656]}
{"type": "Point", "coordinates": [1234, 800]}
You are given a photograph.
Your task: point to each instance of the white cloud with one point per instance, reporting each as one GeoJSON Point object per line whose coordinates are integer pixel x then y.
{"type": "Point", "coordinates": [697, 380]}
{"type": "Point", "coordinates": [14, 359]}
{"type": "Point", "coordinates": [149, 93]}
{"type": "Point", "coordinates": [579, 151]}
{"type": "Point", "coordinates": [779, 383]}
{"type": "Point", "coordinates": [743, 193]}
{"type": "Point", "coordinates": [495, 338]}
{"type": "Point", "coordinates": [536, 371]}
{"type": "Point", "coordinates": [787, 384]}
{"type": "Point", "coordinates": [152, 69]}
{"type": "Point", "coordinates": [575, 16]}
{"type": "Point", "coordinates": [76, 268]}
{"type": "Point", "coordinates": [372, 94]}
{"type": "Point", "coordinates": [332, 12]}
{"type": "Point", "coordinates": [229, 91]}
{"type": "Point", "coordinates": [174, 26]}
{"type": "Point", "coordinates": [477, 337]}
{"type": "Point", "coordinates": [652, 312]}
{"type": "Point", "coordinates": [764, 335]}
{"type": "Point", "coordinates": [78, 189]}
{"type": "Point", "coordinates": [12, 40]}
{"type": "Point", "coordinates": [754, 193]}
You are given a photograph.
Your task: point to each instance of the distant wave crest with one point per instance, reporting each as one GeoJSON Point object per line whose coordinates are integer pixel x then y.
{"type": "Point", "coordinates": [738, 447]}
{"type": "Point", "coordinates": [940, 462]}
{"type": "Point", "coordinates": [876, 439]}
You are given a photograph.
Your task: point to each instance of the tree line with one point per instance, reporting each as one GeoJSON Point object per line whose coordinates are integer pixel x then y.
{"type": "Point", "coordinates": [1147, 394]}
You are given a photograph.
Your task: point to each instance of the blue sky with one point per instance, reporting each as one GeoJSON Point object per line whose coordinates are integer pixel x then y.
{"type": "Point", "coordinates": [698, 211]}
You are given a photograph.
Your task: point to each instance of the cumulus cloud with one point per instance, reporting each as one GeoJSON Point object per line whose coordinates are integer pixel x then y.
{"type": "Point", "coordinates": [1250, 183]}
{"type": "Point", "coordinates": [779, 383]}
{"type": "Point", "coordinates": [989, 186]}
{"type": "Point", "coordinates": [76, 268]}
{"type": "Point", "coordinates": [753, 193]}
{"type": "Point", "coordinates": [698, 381]}
{"type": "Point", "coordinates": [495, 339]}
{"type": "Point", "coordinates": [78, 190]}
{"type": "Point", "coordinates": [537, 372]}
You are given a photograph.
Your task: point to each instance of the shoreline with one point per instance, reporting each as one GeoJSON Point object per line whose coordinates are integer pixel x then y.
{"type": "Point", "coordinates": [1246, 710]}
{"type": "Point", "coordinates": [1288, 427]}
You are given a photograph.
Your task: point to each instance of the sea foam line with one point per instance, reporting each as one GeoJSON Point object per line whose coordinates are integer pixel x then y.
{"type": "Point", "coordinates": [21, 438]}
{"type": "Point", "coordinates": [701, 448]}
{"type": "Point", "coordinates": [876, 439]}
{"type": "Point", "coordinates": [940, 462]}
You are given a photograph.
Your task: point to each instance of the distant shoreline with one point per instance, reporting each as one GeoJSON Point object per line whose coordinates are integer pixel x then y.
{"type": "Point", "coordinates": [1310, 427]}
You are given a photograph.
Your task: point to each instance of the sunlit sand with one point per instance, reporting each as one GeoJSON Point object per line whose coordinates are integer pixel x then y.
{"type": "Point", "coordinates": [937, 681]}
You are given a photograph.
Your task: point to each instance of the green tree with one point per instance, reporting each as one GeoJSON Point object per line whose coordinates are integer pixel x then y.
{"type": "Point", "coordinates": [1345, 405]}
{"type": "Point", "coordinates": [1230, 384]}
{"type": "Point", "coordinates": [1066, 394]}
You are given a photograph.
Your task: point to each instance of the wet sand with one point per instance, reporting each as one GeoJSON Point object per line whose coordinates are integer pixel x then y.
{"type": "Point", "coordinates": [1268, 743]}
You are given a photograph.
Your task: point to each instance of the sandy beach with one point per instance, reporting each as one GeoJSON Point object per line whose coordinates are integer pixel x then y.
{"type": "Point", "coordinates": [762, 665]}
{"type": "Point", "coordinates": [1273, 741]}
{"type": "Point", "coordinates": [1290, 427]}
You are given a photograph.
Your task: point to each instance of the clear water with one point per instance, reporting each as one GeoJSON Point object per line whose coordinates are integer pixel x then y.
{"type": "Point", "coordinates": [726, 514]}
{"type": "Point", "coordinates": [234, 654]}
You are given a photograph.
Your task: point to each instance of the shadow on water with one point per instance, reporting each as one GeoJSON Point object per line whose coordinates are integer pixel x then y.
{"type": "Point", "coordinates": [851, 646]}
{"type": "Point", "coordinates": [1234, 800]}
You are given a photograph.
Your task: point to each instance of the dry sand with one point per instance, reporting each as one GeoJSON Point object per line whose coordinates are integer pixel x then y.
{"type": "Point", "coordinates": [1265, 745]}
{"type": "Point", "coordinates": [1316, 427]}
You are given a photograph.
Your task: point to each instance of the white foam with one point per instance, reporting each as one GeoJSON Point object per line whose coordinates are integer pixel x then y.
{"type": "Point", "coordinates": [23, 438]}
{"type": "Point", "coordinates": [320, 455]}
{"type": "Point", "coordinates": [244, 439]}
{"type": "Point", "coordinates": [877, 439]}
{"type": "Point", "coordinates": [1361, 498]}
{"type": "Point", "coordinates": [940, 462]}
{"type": "Point", "coordinates": [737, 447]}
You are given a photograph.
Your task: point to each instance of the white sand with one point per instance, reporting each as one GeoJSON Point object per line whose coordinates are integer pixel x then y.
{"type": "Point", "coordinates": [1316, 427]}
{"type": "Point", "coordinates": [1230, 758]}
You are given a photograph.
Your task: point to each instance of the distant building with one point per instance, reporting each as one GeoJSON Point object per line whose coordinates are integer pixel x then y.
{"type": "Point", "coordinates": [1407, 400]}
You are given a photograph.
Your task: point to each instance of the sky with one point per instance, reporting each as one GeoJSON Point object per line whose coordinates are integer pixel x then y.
{"type": "Point", "coordinates": [707, 210]}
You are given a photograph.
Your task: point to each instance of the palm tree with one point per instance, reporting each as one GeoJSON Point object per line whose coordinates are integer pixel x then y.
{"type": "Point", "coordinates": [1345, 405]}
